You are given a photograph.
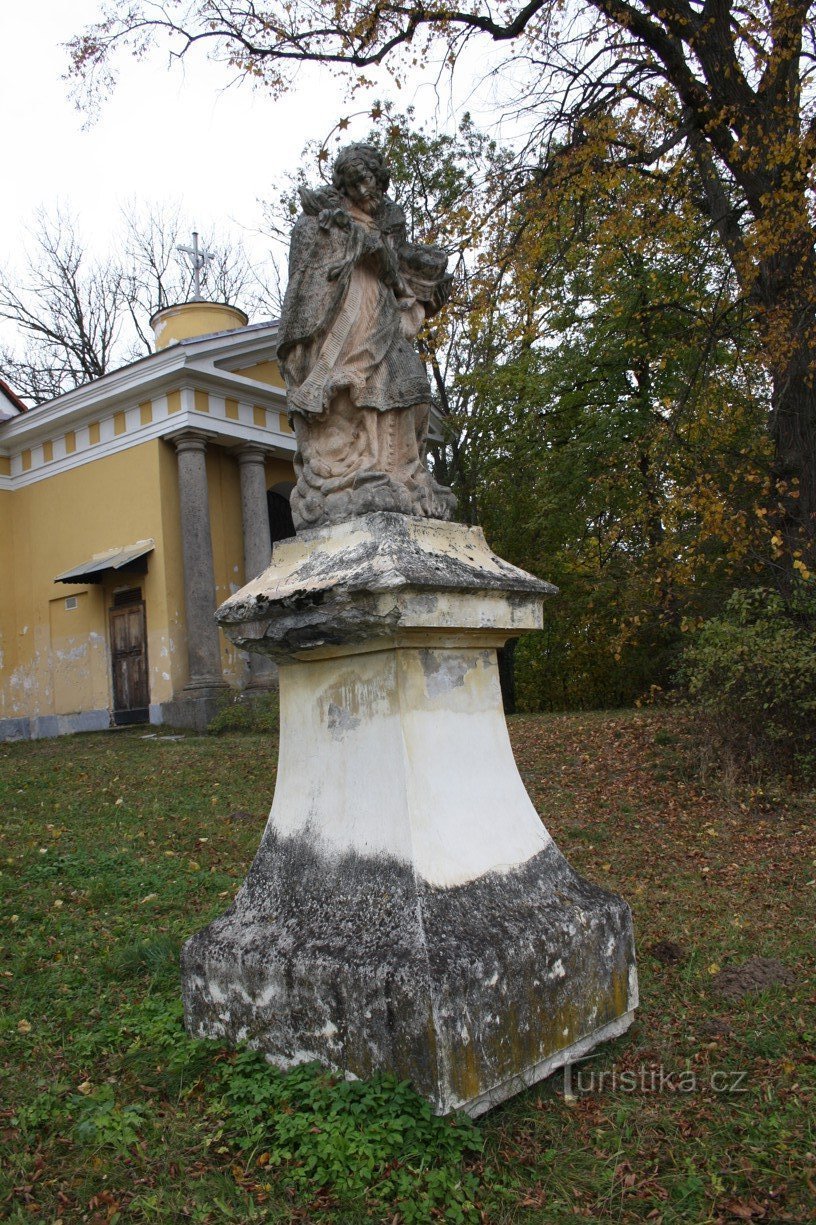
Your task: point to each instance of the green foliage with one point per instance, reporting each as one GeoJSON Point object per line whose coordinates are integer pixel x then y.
{"type": "Point", "coordinates": [582, 661]}
{"type": "Point", "coordinates": [752, 674]}
{"type": "Point", "coordinates": [257, 713]}
{"type": "Point", "coordinates": [100, 1123]}
{"type": "Point", "coordinates": [374, 1141]}
{"type": "Point", "coordinates": [621, 443]}
{"type": "Point", "coordinates": [97, 1120]}
{"type": "Point", "coordinates": [44, 1109]}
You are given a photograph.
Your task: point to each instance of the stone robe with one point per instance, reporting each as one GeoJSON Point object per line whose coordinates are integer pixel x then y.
{"type": "Point", "coordinates": [357, 391]}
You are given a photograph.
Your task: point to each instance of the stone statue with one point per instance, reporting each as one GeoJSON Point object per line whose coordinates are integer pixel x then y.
{"type": "Point", "coordinates": [407, 912]}
{"type": "Point", "coordinates": [358, 395]}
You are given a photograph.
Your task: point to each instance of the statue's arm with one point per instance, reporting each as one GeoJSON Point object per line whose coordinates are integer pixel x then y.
{"type": "Point", "coordinates": [424, 268]}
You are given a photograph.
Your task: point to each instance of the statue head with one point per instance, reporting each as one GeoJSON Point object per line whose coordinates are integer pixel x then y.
{"type": "Point", "coordinates": [360, 173]}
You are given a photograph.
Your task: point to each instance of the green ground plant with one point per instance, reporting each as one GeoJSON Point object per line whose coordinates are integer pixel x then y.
{"type": "Point", "coordinates": [114, 848]}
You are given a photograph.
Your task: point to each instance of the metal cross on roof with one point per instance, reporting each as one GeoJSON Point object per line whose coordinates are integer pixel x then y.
{"type": "Point", "coordinates": [198, 259]}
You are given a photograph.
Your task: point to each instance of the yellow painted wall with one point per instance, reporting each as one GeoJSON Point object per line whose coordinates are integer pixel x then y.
{"type": "Point", "coordinates": [60, 657]}
{"type": "Point", "coordinates": [186, 320]}
{"type": "Point", "coordinates": [8, 637]}
{"type": "Point", "coordinates": [263, 372]}
{"type": "Point", "coordinates": [279, 471]}
{"type": "Point", "coordinates": [73, 649]}
{"type": "Point", "coordinates": [54, 659]}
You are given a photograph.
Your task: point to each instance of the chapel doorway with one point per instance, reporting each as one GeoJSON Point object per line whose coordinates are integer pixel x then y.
{"type": "Point", "coordinates": [281, 526]}
{"type": "Point", "coordinates": [128, 640]}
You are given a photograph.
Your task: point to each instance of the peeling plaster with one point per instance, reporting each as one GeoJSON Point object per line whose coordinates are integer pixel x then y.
{"type": "Point", "coordinates": [444, 671]}
{"type": "Point", "coordinates": [72, 654]}
{"type": "Point", "coordinates": [340, 721]}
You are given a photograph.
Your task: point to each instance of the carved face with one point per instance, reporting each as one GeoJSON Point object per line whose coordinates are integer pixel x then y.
{"type": "Point", "coordinates": [361, 187]}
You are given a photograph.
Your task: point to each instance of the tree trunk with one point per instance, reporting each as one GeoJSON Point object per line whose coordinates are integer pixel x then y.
{"type": "Point", "coordinates": [793, 471]}
{"type": "Point", "coordinates": [788, 317]}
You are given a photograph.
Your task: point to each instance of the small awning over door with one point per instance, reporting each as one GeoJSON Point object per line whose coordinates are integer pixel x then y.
{"type": "Point", "coordinates": [94, 570]}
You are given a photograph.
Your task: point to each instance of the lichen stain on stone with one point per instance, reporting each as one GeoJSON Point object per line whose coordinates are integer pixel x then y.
{"type": "Point", "coordinates": [527, 1035]}
{"type": "Point", "coordinates": [424, 603]}
{"type": "Point", "coordinates": [346, 958]}
{"type": "Point", "coordinates": [465, 1076]}
{"type": "Point", "coordinates": [620, 993]}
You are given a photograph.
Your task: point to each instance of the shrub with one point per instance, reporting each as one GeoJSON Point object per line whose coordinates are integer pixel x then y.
{"type": "Point", "coordinates": [751, 672]}
{"type": "Point", "coordinates": [255, 712]}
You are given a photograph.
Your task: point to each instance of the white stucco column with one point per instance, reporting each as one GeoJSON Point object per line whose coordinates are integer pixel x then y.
{"type": "Point", "coordinates": [257, 542]}
{"type": "Point", "coordinates": [203, 645]}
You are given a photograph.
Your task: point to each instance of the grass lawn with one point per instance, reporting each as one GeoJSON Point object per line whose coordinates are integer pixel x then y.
{"type": "Point", "coordinates": [115, 847]}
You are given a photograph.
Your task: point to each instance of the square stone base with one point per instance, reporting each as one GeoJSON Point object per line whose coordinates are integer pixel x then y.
{"type": "Point", "coordinates": [470, 993]}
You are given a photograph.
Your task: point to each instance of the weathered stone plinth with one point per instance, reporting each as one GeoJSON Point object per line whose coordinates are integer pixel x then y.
{"type": "Point", "coordinates": [407, 910]}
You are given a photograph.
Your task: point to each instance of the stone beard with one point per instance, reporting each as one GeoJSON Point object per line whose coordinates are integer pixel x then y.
{"type": "Point", "coordinates": [357, 391]}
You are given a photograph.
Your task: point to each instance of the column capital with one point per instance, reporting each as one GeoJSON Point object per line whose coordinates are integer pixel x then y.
{"type": "Point", "coordinates": [189, 440]}
{"type": "Point", "coordinates": [251, 453]}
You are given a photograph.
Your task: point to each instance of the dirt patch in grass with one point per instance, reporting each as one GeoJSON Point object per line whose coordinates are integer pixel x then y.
{"type": "Point", "coordinates": [668, 952]}
{"type": "Point", "coordinates": [755, 974]}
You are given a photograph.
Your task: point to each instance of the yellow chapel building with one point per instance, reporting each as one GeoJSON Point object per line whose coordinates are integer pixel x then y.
{"type": "Point", "coordinates": [130, 508]}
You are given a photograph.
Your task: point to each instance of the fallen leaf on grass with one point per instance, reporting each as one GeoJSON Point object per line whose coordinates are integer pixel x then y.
{"type": "Point", "coordinates": [745, 1211]}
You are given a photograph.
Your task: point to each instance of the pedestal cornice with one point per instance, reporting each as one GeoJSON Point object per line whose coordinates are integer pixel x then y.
{"type": "Point", "coordinates": [382, 579]}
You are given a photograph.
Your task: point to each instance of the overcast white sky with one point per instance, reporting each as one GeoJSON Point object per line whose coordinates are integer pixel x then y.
{"type": "Point", "coordinates": [166, 134]}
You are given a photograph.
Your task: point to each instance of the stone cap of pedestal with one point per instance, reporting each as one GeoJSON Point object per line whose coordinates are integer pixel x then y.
{"type": "Point", "coordinates": [382, 579]}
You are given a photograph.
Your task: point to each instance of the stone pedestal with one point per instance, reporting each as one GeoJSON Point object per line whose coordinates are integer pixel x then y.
{"type": "Point", "coordinates": [407, 911]}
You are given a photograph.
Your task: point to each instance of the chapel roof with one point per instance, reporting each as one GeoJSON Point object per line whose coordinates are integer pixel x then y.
{"type": "Point", "coordinates": [11, 397]}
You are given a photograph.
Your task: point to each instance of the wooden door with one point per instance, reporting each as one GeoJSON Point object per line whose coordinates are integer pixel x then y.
{"type": "Point", "coordinates": [128, 637]}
